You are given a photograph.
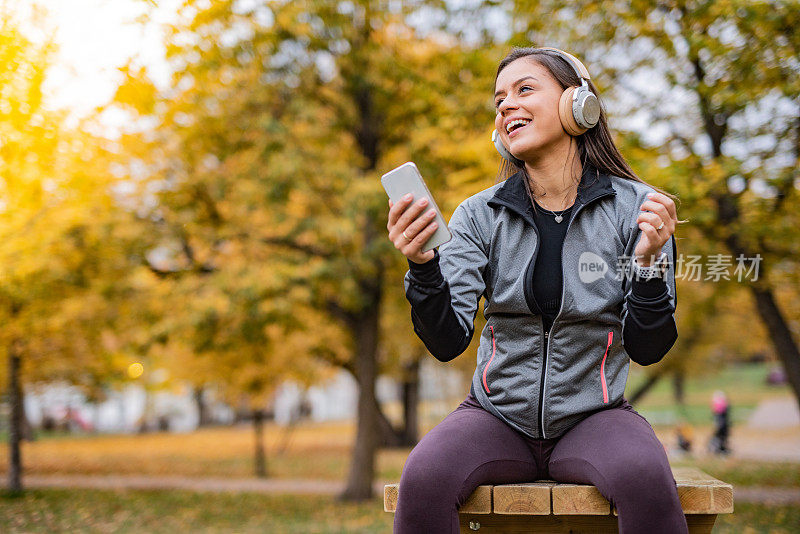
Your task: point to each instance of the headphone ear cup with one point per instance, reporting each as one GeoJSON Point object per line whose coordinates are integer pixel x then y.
{"type": "Point", "coordinates": [565, 113]}
{"type": "Point", "coordinates": [503, 151]}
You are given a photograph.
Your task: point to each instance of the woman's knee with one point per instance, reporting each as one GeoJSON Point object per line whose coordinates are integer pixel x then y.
{"type": "Point", "coordinates": [429, 467]}
{"type": "Point", "coordinates": [427, 486]}
{"type": "Point", "coordinates": [641, 477]}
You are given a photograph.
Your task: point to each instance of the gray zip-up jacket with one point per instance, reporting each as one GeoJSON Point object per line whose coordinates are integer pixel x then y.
{"type": "Point", "coordinates": [543, 383]}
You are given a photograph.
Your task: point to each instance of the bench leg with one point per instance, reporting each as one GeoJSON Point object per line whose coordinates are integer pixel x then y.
{"type": "Point", "coordinates": [700, 523]}
{"type": "Point", "coordinates": [562, 524]}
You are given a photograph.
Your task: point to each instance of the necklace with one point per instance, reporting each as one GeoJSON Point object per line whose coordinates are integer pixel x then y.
{"type": "Point", "coordinates": [558, 216]}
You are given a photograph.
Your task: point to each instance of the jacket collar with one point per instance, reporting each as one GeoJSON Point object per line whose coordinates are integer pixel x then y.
{"type": "Point", "coordinates": [513, 195]}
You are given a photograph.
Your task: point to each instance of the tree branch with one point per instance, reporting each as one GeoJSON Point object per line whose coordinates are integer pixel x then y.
{"type": "Point", "coordinates": [286, 242]}
{"type": "Point", "coordinates": [338, 312]}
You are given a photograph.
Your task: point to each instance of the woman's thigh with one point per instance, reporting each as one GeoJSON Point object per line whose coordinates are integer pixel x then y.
{"type": "Point", "coordinates": [607, 441]}
{"type": "Point", "coordinates": [468, 448]}
{"type": "Point", "coordinates": [617, 451]}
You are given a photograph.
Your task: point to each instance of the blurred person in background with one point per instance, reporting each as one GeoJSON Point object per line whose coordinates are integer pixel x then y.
{"type": "Point", "coordinates": [720, 410]}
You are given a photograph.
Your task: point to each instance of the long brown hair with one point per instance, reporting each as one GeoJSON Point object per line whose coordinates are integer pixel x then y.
{"type": "Point", "coordinates": [596, 146]}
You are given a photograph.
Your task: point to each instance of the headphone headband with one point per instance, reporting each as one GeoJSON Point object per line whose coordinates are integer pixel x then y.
{"type": "Point", "coordinates": [575, 63]}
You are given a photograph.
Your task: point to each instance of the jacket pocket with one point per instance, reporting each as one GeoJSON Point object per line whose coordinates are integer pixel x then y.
{"type": "Point", "coordinates": [494, 348]}
{"type": "Point", "coordinates": [603, 368]}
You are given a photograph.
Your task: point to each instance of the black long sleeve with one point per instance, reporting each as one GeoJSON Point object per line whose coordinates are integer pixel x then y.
{"type": "Point", "coordinates": [649, 328]}
{"type": "Point", "coordinates": [432, 313]}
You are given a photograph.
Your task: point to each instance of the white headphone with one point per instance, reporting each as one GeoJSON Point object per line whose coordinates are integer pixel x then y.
{"type": "Point", "coordinates": [578, 108]}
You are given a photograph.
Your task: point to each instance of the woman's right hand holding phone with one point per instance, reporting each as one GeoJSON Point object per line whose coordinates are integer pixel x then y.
{"type": "Point", "coordinates": [408, 234]}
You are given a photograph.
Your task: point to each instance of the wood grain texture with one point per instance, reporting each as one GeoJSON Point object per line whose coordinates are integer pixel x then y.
{"type": "Point", "coordinates": [522, 499]}
{"type": "Point", "coordinates": [701, 493]}
{"type": "Point", "coordinates": [579, 499]}
{"type": "Point", "coordinates": [390, 497]}
{"type": "Point", "coordinates": [480, 502]}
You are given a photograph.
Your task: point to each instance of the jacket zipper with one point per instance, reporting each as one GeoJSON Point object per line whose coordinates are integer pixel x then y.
{"type": "Point", "coordinates": [603, 368]}
{"type": "Point", "coordinates": [494, 347]}
{"type": "Point", "coordinates": [534, 306]}
{"type": "Point", "coordinates": [543, 382]}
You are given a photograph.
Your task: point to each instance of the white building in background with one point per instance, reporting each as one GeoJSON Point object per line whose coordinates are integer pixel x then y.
{"type": "Point", "coordinates": [336, 399]}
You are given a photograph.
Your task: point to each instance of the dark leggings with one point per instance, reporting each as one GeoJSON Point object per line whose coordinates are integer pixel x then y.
{"type": "Point", "coordinates": [614, 449]}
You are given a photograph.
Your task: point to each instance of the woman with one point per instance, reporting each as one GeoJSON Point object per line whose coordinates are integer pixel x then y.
{"type": "Point", "coordinates": [565, 312]}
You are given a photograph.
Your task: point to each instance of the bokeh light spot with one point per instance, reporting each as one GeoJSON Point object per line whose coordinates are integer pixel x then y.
{"type": "Point", "coordinates": [135, 370]}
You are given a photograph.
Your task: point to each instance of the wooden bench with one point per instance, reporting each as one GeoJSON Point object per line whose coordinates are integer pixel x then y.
{"type": "Point", "coordinates": [547, 506]}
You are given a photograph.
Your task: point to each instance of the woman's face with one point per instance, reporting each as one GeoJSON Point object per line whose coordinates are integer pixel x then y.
{"type": "Point", "coordinates": [526, 101]}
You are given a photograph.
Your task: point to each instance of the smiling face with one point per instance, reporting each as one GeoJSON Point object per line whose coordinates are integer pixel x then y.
{"type": "Point", "coordinates": [526, 101]}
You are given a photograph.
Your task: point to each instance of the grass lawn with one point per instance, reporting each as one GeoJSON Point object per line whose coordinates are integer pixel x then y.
{"type": "Point", "coordinates": [59, 510]}
{"type": "Point", "coordinates": [755, 518]}
{"type": "Point", "coordinates": [747, 472]}
{"type": "Point", "coordinates": [182, 511]}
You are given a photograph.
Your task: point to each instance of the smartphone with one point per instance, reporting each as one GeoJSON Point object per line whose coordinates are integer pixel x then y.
{"type": "Point", "coordinates": [407, 179]}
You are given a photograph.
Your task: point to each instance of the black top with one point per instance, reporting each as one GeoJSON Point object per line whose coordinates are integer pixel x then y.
{"type": "Point", "coordinates": [547, 279]}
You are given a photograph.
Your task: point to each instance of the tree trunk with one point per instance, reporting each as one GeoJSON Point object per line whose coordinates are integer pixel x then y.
{"type": "Point", "coordinates": [365, 322]}
{"type": "Point", "coordinates": [95, 407]}
{"type": "Point", "coordinates": [15, 425]}
{"type": "Point", "coordinates": [362, 465]}
{"type": "Point", "coordinates": [678, 380]}
{"type": "Point", "coordinates": [388, 435]}
{"type": "Point", "coordinates": [241, 413]}
{"type": "Point", "coordinates": [286, 435]}
{"type": "Point", "coordinates": [122, 413]}
{"type": "Point", "coordinates": [407, 435]}
{"type": "Point", "coordinates": [26, 432]}
{"type": "Point", "coordinates": [260, 453]}
{"type": "Point", "coordinates": [780, 335]}
{"type": "Point", "coordinates": [644, 388]}
{"type": "Point", "coordinates": [144, 422]}
{"type": "Point", "coordinates": [203, 417]}
{"type": "Point", "coordinates": [411, 403]}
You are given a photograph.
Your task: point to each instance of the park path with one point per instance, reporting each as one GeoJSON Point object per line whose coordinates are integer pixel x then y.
{"type": "Point", "coordinates": [753, 494]}
{"type": "Point", "coordinates": [209, 484]}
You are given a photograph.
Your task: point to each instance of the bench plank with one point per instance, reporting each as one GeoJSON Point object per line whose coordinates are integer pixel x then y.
{"type": "Point", "coordinates": [522, 499]}
{"type": "Point", "coordinates": [480, 502]}
{"type": "Point", "coordinates": [701, 493]}
{"type": "Point", "coordinates": [579, 499]}
{"type": "Point", "coordinates": [390, 497]}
